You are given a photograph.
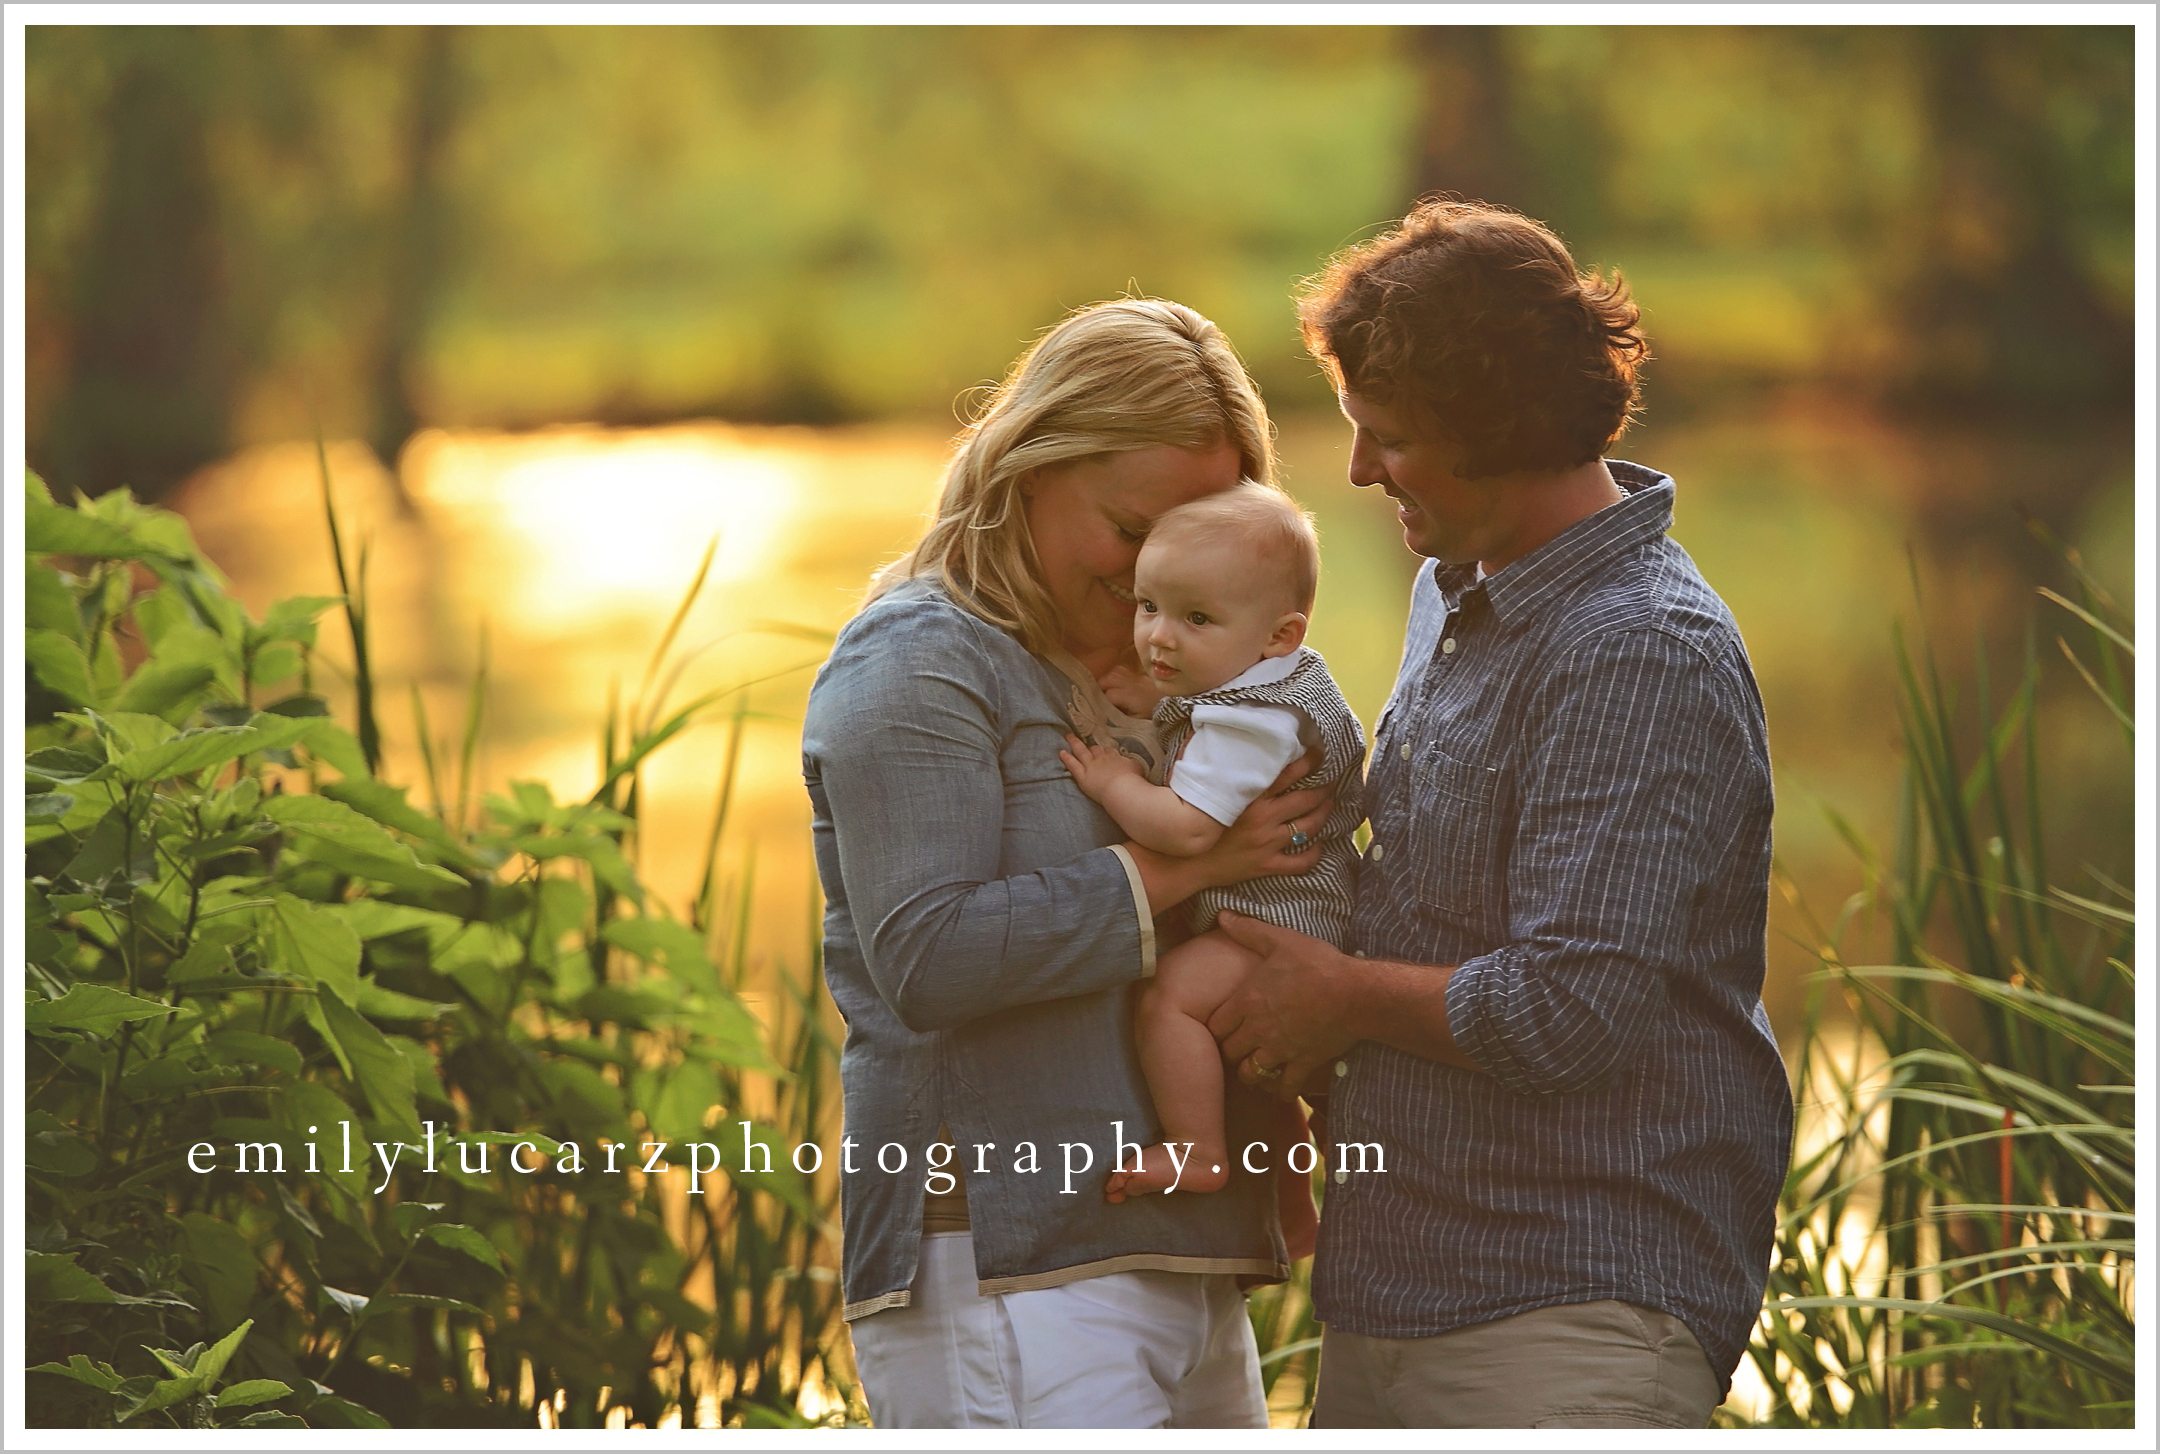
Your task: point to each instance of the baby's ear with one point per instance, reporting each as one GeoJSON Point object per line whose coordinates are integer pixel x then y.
{"type": "Point", "coordinates": [1289, 635]}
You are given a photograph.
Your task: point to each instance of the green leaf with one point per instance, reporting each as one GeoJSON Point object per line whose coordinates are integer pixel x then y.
{"type": "Point", "coordinates": [50, 529]}
{"type": "Point", "coordinates": [330, 1412]}
{"type": "Point", "coordinates": [252, 1391]}
{"type": "Point", "coordinates": [48, 604]}
{"type": "Point", "coordinates": [312, 943]}
{"type": "Point", "coordinates": [354, 843]}
{"type": "Point", "coordinates": [387, 1004]}
{"type": "Point", "coordinates": [353, 1303]}
{"type": "Point", "coordinates": [673, 946]}
{"type": "Point", "coordinates": [54, 1149]}
{"type": "Point", "coordinates": [94, 1009]}
{"type": "Point", "coordinates": [162, 687]}
{"type": "Point", "coordinates": [370, 1062]}
{"type": "Point", "coordinates": [164, 1395]}
{"type": "Point", "coordinates": [293, 619]}
{"type": "Point", "coordinates": [605, 857]}
{"type": "Point", "coordinates": [51, 1277]}
{"type": "Point", "coordinates": [211, 1366]}
{"type": "Point", "coordinates": [335, 747]}
{"type": "Point", "coordinates": [466, 1240]}
{"type": "Point", "coordinates": [61, 766]}
{"type": "Point", "coordinates": [253, 1049]}
{"type": "Point", "coordinates": [82, 1370]}
{"type": "Point", "coordinates": [47, 807]}
{"type": "Point", "coordinates": [274, 663]}
{"type": "Point", "coordinates": [207, 747]}
{"type": "Point", "coordinates": [387, 805]}
{"type": "Point", "coordinates": [687, 1096]}
{"type": "Point", "coordinates": [221, 1265]}
{"type": "Point", "coordinates": [391, 1302]}
{"type": "Point", "coordinates": [56, 661]}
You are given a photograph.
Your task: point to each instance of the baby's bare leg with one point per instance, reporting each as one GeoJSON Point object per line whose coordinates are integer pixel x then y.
{"type": "Point", "coordinates": [1184, 1067]}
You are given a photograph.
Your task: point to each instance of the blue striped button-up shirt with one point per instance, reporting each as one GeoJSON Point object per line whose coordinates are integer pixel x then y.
{"type": "Point", "coordinates": [1570, 802]}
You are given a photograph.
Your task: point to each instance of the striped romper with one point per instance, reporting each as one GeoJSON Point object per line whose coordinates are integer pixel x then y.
{"type": "Point", "coordinates": [1317, 902]}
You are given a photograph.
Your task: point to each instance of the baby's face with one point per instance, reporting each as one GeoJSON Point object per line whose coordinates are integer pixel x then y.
{"type": "Point", "coordinates": [1205, 614]}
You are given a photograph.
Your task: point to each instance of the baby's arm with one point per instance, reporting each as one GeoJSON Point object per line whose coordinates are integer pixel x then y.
{"type": "Point", "coordinates": [1156, 817]}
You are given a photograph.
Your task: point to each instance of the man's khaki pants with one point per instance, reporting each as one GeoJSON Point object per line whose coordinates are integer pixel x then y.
{"type": "Point", "coordinates": [1600, 1365]}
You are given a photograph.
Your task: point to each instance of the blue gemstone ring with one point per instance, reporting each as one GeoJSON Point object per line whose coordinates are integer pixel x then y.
{"type": "Point", "coordinates": [1300, 840]}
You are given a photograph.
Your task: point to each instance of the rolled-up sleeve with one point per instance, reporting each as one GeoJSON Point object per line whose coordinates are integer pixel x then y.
{"type": "Point", "coordinates": [1635, 744]}
{"type": "Point", "coordinates": [907, 738]}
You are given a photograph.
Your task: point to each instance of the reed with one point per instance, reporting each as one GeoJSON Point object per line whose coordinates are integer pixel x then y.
{"type": "Point", "coordinates": [1958, 1248]}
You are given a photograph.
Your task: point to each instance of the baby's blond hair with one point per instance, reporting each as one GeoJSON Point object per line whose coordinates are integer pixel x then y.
{"type": "Point", "coordinates": [1264, 519]}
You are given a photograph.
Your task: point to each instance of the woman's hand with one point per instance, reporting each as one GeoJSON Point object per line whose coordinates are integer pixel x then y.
{"type": "Point", "coordinates": [1258, 843]}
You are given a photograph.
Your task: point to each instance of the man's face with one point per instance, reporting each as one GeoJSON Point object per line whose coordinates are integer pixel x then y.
{"type": "Point", "coordinates": [1455, 521]}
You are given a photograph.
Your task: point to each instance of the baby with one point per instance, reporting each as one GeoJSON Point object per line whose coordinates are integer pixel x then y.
{"type": "Point", "coordinates": [1225, 586]}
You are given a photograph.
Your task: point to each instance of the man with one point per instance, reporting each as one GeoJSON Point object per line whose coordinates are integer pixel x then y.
{"type": "Point", "coordinates": [1549, 1035]}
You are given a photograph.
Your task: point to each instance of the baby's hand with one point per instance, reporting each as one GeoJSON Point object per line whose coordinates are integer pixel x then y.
{"type": "Point", "coordinates": [1095, 768]}
{"type": "Point", "coordinates": [1130, 692]}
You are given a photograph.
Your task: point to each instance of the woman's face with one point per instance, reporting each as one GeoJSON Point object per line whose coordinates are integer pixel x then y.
{"type": "Point", "coordinates": [1088, 518]}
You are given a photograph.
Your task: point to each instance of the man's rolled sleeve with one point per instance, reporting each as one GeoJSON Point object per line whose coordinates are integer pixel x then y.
{"type": "Point", "coordinates": [1634, 743]}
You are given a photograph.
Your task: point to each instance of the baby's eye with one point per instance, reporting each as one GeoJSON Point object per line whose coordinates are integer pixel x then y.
{"type": "Point", "coordinates": [1198, 618]}
{"type": "Point", "coordinates": [1147, 607]}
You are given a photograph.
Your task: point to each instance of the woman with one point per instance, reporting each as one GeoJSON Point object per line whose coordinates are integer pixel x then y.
{"type": "Point", "coordinates": [984, 924]}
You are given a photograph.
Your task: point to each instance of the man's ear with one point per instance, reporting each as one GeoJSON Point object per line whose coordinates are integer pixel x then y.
{"type": "Point", "coordinates": [1288, 636]}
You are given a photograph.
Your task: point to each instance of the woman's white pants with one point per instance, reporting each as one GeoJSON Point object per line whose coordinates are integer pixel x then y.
{"type": "Point", "coordinates": [1127, 1350]}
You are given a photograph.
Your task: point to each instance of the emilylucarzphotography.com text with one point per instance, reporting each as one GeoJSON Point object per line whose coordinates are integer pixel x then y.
{"type": "Point", "coordinates": [940, 1163]}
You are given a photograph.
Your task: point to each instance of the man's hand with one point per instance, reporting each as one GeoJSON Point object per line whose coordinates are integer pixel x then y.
{"type": "Point", "coordinates": [1292, 1013]}
{"type": "Point", "coordinates": [1096, 768]}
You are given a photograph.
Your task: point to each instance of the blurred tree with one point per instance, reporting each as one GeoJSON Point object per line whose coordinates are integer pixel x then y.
{"type": "Point", "coordinates": [150, 373]}
{"type": "Point", "coordinates": [416, 263]}
{"type": "Point", "coordinates": [1466, 142]}
{"type": "Point", "coordinates": [2030, 186]}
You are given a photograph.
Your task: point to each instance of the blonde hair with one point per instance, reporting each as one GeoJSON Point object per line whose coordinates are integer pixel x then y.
{"type": "Point", "coordinates": [1262, 518]}
{"type": "Point", "coordinates": [1126, 374]}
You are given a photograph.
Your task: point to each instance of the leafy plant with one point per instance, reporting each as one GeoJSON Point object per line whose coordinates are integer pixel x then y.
{"type": "Point", "coordinates": [238, 933]}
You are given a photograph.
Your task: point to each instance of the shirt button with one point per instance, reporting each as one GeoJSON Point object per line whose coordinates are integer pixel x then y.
{"type": "Point", "coordinates": [1358, 953]}
{"type": "Point", "coordinates": [1404, 752]}
{"type": "Point", "coordinates": [1342, 1067]}
{"type": "Point", "coordinates": [1447, 647]}
{"type": "Point", "coordinates": [1342, 1174]}
{"type": "Point", "coordinates": [1376, 852]}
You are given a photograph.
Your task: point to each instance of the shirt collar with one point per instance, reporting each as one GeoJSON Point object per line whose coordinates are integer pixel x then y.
{"type": "Point", "coordinates": [1266, 670]}
{"type": "Point", "coordinates": [1520, 587]}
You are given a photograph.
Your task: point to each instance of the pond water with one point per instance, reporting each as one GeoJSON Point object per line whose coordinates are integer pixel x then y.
{"type": "Point", "coordinates": [571, 549]}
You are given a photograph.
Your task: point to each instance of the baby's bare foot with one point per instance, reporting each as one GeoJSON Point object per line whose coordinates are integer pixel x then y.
{"type": "Point", "coordinates": [1190, 1169]}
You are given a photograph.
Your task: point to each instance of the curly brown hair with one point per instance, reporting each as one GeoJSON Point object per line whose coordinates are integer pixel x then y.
{"type": "Point", "coordinates": [1475, 317]}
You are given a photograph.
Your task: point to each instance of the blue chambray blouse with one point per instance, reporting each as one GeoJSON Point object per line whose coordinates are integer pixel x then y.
{"type": "Point", "coordinates": [983, 932]}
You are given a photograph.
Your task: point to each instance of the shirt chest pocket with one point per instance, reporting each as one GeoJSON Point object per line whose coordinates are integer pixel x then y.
{"type": "Point", "coordinates": [1454, 868]}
